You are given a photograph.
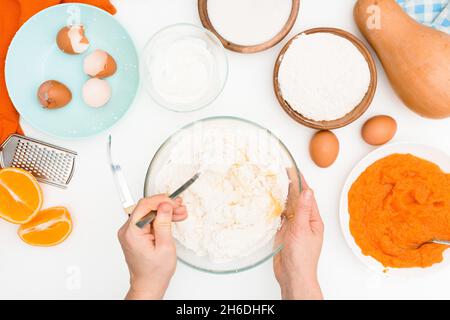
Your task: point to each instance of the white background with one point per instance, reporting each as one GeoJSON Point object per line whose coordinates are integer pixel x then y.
{"type": "Point", "coordinates": [92, 254]}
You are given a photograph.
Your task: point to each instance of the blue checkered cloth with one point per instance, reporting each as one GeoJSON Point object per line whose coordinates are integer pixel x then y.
{"type": "Point", "coordinates": [433, 13]}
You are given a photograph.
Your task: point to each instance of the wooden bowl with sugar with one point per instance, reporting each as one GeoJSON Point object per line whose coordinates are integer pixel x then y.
{"type": "Point", "coordinates": [206, 22]}
{"type": "Point", "coordinates": [357, 111]}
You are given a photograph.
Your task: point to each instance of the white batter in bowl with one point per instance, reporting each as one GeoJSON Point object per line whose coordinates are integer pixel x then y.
{"type": "Point", "coordinates": [235, 206]}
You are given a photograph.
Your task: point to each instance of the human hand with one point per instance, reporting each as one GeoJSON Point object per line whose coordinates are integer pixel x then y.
{"type": "Point", "coordinates": [301, 234]}
{"type": "Point", "coordinates": [150, 251]}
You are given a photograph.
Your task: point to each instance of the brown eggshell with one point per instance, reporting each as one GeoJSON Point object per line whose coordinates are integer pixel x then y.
{"type": "Point", "coordinates": [53, 94]}
{"type": "Point", "coordinates": [110, 68]}
{"type": "Point", "coordinates": [66, 44]}
{"type": "Point", "coordinates": [324, 148]}
{"type": "Point", "coordinates": [379, 130]}
{"type": "Point", "coordinates": [63, 41]}
{"type": "Point", "coordinates": [99, 64]}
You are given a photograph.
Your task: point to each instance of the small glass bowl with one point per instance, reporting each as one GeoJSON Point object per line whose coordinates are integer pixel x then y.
{"type": "Point", "coordinates": [186, 255]}
{"type": "Point", "coordinates": [158, 47]}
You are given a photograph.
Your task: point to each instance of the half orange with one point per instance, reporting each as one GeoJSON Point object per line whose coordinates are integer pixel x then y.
{"type": "Point", "coordinates": [48, 228]}
{"type": "Point", "coordinates": [20, 195]}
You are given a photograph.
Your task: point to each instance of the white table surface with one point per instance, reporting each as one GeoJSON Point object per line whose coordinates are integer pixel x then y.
{"type": "Point", "coordinates": [90, 265]}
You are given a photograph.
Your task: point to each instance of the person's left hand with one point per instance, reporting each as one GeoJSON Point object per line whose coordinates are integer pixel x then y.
{"type": "Point", "coordinates": [301, 234]}
{"type": "Point", "coordinates": [150, 251]}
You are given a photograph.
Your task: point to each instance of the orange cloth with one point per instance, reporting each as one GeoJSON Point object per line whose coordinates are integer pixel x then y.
{"type": "Point", "coordinates": [13, 14]}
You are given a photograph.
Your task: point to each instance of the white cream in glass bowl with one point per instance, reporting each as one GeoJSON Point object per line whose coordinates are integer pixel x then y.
{"type": "Point", "coordinates": [184, 67]}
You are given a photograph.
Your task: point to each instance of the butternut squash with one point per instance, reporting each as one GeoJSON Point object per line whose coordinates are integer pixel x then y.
{"type": "Point", "coordinates": [416, 58]}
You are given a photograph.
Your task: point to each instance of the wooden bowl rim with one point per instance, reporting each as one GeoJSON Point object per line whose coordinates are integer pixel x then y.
{"type": "Point", "coordinates": [353, 115]}
{"type": "Point", "coordinates": [206, 22]}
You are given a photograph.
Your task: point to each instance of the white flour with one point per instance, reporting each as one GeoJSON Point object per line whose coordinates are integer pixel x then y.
{"type": "Point", "coordinates": [323, 76]}
{"type": "Point", "coordinates": [234, 207]}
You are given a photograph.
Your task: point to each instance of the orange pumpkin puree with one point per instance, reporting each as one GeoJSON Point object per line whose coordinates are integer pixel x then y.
{"type": "Point", "coordinates": [398, 203]}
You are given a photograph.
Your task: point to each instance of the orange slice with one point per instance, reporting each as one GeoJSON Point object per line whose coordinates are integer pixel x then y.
{"type": "Point", "coordinates": [20, 195]}
{"type": "Point", "coordinates": [48, 228]}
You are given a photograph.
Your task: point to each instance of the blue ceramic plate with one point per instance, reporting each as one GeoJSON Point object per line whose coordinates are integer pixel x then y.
{"type": "Point", "coordinates": [34, 57]}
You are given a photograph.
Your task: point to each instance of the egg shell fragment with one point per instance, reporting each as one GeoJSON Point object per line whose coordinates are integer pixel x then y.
{"type": "Point", "coordinates": [72, 40]}
{"type": "Point", "coordinates": [53, 94]}
{"type": "Point", "coordinates": [99, 64]}
{"type": "Point", "coordinates": [96, 92]}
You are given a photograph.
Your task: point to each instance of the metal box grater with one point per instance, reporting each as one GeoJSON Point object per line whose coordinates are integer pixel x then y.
{"type": "Point", "coordinates": [48, 163]}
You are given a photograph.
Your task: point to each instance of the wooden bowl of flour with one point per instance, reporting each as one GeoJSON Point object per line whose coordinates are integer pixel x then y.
{"type": "Point", "coordinates": [356, 112]}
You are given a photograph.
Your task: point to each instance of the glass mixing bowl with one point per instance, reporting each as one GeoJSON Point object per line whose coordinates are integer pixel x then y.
{"type": "Point", "coordinates": [203, 58]}
{"type": "Point", "coordinates": [188, 256]}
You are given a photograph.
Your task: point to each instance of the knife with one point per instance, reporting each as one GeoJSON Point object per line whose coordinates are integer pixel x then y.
{"type": "Point", "coordinates": [149, 217]}
{"type": "Point", "coordinates": [127, 200]}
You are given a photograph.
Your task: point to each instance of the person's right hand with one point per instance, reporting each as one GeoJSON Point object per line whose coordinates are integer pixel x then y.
{"type": "Point", "coordinates": [301, 234]}
{"type": "Point", "coordinates": [150, 251]}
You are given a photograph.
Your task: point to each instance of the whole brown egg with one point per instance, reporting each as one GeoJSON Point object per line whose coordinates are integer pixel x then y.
{"type": "Point", "coordinates": [379, 130]}
{"type": "Point", "coordinates": [324, 148]}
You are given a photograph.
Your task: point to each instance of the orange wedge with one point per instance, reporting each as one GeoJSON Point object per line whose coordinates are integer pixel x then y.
{"type": "Point", "coordinates": [48, 228]}
{"type": "Point", "coordinates": [20, 195]}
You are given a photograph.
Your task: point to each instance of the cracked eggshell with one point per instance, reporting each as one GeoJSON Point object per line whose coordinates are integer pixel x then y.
{"type": "Point", "coordinates": [99, 64]}
{"type": "Point", "coordinates": [53, 94]}
{"type": "Point", "coordinates": [72, 40]}
{"type": "Point", "coordinates": [96, 92]}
